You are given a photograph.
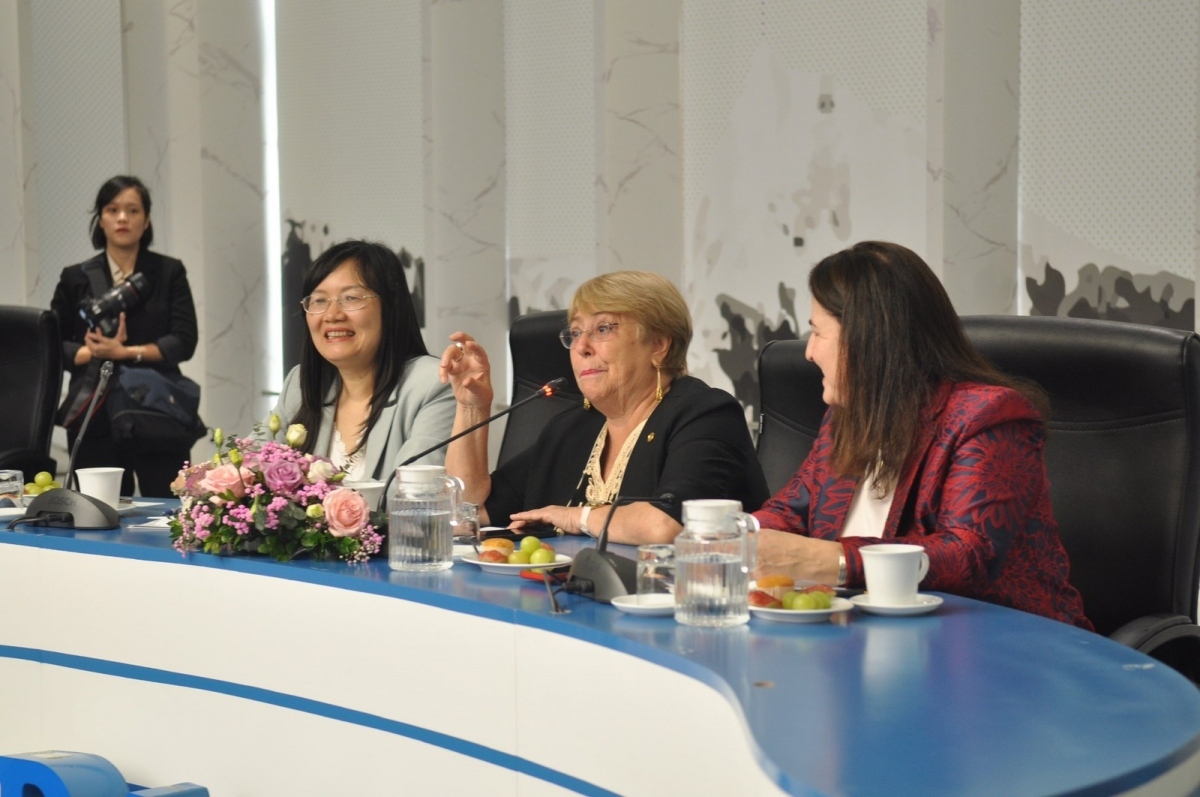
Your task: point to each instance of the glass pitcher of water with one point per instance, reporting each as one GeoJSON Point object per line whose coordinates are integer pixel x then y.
{"type": "Point", "coordinates": [421, 515]}
{"type": "Point", "coordinates": [714, 555]}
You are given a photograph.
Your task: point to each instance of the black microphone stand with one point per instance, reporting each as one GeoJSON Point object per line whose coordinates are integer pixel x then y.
{"type": "Point", "coordinates": [67, 508]}
{"type": "Point", "coordinates": [545, 391]}
{"type": "Point", "coordinates": [602, 575]}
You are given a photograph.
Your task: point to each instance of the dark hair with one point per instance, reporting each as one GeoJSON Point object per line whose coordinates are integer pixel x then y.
{"type": "Point", "coordinates": [107, 193]}
{"type": "Point", "coordinates": [382, 272]}
{"type": "Point", "coordinates": [900, 339]}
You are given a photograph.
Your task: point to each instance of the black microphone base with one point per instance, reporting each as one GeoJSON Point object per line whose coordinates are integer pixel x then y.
{"type": "Point", "coordinates": [611, 576]}
{"type": "Point", "coordinates": [67, 509]}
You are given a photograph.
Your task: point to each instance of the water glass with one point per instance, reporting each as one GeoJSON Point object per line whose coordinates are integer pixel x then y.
{"type": "Point", "coordinates": [466, 523]}
{"type": "Point", "coordinates": [656, 569]}
{"type": "Point", "coordinates": [12, 486]}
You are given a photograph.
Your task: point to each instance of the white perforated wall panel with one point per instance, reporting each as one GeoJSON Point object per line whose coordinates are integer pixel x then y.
{"type": "Point", "coordinates": [550, 104]}
{"type": "Point", "coordinates": [1108, 126]}
{"type": "Point", "coordinates": [351, 153]}
{"type": "Point", "coordinates": [875, 49]}
{"type": "Point", "coordinates": [77, 75]}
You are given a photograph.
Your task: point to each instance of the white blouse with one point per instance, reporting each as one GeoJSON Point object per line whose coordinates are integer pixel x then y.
{"type": "Point", "coordinates": [867, 514]}
{"type": "Point", "coordinates": [354, 464]}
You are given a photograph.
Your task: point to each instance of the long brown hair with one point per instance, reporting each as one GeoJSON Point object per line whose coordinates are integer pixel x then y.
{"type": "Point", "coordinates": [900, 339]}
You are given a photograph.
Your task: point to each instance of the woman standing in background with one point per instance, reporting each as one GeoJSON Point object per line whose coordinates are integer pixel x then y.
{"type": "Point", "coordinates": [158, 331]}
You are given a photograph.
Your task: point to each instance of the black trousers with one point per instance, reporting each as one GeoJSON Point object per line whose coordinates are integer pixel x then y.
{"type": "Point", "coordinates": [155, 470]}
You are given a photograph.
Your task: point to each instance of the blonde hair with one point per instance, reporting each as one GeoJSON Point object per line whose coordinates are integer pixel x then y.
{"type": "Point", "coordinates": [651, 300]}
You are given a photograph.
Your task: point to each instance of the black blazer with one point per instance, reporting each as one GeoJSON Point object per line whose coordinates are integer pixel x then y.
{"type": "Point", "coordinates": [696, 444]}
{"type": "Point", "coordinates": [166, 316]}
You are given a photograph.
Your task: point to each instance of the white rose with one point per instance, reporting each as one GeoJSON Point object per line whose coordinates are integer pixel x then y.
{"type": "Point", "coordinates": [296, 435]}
{"type": "Point", "coordinates": [321, 471]}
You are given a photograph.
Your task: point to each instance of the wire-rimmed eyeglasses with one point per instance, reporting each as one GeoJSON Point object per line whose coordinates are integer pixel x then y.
{"type": "Point", "coordinates": [349, 302]}
{"type": "Point", "coordinates": [599, 333]}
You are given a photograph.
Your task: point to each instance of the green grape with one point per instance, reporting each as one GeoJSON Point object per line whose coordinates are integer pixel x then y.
{"type": "Point", "coordinates": [542, 556]}
{"type": "Point", "coordinates": [805, 602]}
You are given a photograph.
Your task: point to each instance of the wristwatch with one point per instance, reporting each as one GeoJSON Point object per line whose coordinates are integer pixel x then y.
{"type": "Point", "coordinates": [140, 351]}
{"type": "Point", "coordinates": [841, 582]}
{"type": "Point", "coordinates": [583, 517]}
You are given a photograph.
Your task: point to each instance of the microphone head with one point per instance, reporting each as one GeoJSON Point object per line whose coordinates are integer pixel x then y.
{"type": "Point", "coordinates": [106, 370]}
{"type": "Point", "coordinates": [553, 386]}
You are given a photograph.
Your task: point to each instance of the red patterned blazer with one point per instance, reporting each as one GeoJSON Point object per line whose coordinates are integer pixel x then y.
{"type": "Point", "coordinates": [974, 495]}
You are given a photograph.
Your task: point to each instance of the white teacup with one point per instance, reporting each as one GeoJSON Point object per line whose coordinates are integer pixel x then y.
{"type": "Point", "coordinates": [893, 571]}
{"type": "Point", "coordinates": [371, 491]}
{"type": "Point", "coordinates": [103, 484]}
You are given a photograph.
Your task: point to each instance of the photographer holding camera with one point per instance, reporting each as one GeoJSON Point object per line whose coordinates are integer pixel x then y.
{"type": "Point", "coordinates": [134, 307]}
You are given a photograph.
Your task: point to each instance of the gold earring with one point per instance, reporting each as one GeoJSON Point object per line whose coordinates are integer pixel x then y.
{"type": "Point", "coordinates": [587, 405]}
{"type": "Point", "coordinates": [658, 394]}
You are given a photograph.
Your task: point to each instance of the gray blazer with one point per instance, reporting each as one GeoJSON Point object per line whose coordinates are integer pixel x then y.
{"type": "Point", "coordinates": [419, 414]}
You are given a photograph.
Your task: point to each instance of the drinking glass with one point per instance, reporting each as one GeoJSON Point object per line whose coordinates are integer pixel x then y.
{"type": "Point", "coordinates": [466, 524]}
{"type": "Point", "coordinates": [12, 486]}
{"type": "Point", "coordinates": [656, 569]}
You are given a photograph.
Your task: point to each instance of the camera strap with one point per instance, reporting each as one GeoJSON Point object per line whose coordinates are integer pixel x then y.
{"type": "Point", "coordinates": [78, 398]}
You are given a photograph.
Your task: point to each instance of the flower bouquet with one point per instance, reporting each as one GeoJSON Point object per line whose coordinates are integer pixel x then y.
{"type": "Point", "coordinates": [262, 496]}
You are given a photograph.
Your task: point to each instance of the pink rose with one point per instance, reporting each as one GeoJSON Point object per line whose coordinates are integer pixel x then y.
{"type": "Point", "coordinates": [227, 477]}
{"type": "Point", "coordinates": [283, 476]}
{"type": "Point", "coordinates": [346, 512]}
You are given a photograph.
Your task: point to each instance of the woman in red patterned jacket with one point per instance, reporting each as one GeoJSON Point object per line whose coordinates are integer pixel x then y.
{"type": "Point", "coordinates": [924, 442]}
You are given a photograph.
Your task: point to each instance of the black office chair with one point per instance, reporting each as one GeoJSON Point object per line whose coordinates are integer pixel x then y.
{"type": "Point", "coordinates": [537, 357]}
{"type": "Point", "coordinates": [30, 380]}
{"type": "Point", "coordinates": [1123, 458]}
{"type": "Point", "coordinates": [790, 390]}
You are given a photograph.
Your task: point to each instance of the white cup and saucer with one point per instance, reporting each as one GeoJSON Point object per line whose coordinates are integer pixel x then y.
{"type": "Point", "coordinates": [893, 572]}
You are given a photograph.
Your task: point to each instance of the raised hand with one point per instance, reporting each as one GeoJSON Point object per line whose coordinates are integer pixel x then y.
{"type": "Point", "coordinates": [465, 366]}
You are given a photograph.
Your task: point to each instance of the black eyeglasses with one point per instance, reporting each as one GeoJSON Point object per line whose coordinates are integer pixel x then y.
{"type": "Point", "coordinates": [350, 302]}
{"type": "Point", "coordinates": [598, 333]}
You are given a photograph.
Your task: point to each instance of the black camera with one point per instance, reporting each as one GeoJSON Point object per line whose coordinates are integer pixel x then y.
{"type": "Point", "coordinates": [103, 311]}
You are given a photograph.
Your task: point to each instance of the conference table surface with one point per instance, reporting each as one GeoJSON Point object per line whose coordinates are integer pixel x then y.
{"type": "Point", "coordinates": [968, 699]}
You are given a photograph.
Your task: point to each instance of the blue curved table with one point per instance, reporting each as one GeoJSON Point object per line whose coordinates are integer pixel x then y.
{"type": "Point", "coordinates": [255, 677]}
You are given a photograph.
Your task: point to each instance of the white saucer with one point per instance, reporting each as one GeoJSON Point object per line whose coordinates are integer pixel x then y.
{"type": "Point", "coordinates": [923, 605]}
{"type": "Point", "coordinates": [836, 606]}
{"type": "Point", "coordinates": [656, 605]}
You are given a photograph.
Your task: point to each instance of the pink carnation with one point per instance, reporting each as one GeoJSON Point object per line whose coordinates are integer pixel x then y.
{"type": "Point", "coordinates": [227, 477]}
{"type": "Point", "coordinates": [346, 512]}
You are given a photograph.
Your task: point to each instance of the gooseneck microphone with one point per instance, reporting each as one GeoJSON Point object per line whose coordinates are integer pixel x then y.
{"type": "Point", "coordinates": [602, 575]}
{"type": "Point", "coordinates": [67, 508]}
{"type": "Point", "coordinates": [545, 391]}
